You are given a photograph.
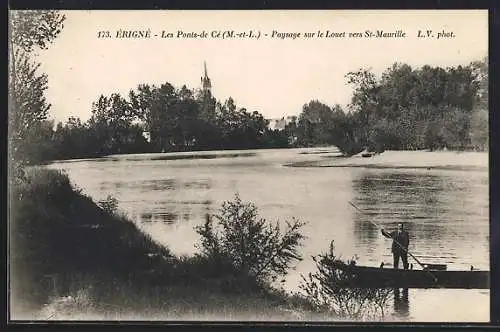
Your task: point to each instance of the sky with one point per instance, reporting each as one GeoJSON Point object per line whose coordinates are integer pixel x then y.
{"type": "Point", "coordinates": [271, 75]}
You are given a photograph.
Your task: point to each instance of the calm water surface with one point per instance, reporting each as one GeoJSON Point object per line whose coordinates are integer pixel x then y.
{"type": "Point", "coordinates": [445, 209]}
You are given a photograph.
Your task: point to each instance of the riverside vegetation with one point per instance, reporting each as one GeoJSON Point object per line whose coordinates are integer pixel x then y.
{"type": "Point", "coordinates": [69, 255]}
{"type": "Point", "coordinates": [71, 258]}
{"type": "Point", "coordinates": [63, 244]}
{"type": "Point", "coordinates": [404, 109]}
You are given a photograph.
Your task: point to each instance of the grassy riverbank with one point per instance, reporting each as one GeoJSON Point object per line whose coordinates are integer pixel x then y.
{"type": "Point", "coordinates": [72, 259]}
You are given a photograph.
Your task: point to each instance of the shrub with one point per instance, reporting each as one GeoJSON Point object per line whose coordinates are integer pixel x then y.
{"type": "Point", "coordinates": [326, 289]}
{"type": "Point", "coordinates": [110, 204]}
{"type": "Point", "coordinates": [250, 245]}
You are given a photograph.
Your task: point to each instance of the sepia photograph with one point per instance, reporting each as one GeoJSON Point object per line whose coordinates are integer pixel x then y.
{"type": "Point", "coordinates": [256, 166]}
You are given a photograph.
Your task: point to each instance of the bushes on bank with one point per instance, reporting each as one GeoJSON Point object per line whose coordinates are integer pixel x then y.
{"type": "Point", "coordinates": [238, 240]}
{"type": "Point", "coordinates": [62, 242]}
{"type": "Point", "coordinates": [325, 288]}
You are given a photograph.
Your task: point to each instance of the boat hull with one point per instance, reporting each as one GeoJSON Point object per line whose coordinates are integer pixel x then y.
{"type": "Point", "coordinates": [372, 277]}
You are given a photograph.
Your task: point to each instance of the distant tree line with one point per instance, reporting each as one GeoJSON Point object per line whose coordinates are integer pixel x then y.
{"type": "Point", "coordinates": [174, 120]}
{"type": "Point", "coordinates": [406, 109]}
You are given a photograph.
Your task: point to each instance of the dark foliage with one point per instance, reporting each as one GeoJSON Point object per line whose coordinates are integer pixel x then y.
{"type": "Point", "coordinates": [406, 109]}
{"type": "Point", "coordinates": [249, 245]}
{"type": "Point", "coordinates": [62, 243]}
{"type": "Point", "coordinates": [328, 289]}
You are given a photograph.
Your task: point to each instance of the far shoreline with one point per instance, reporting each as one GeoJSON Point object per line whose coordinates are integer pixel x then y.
{"type": "Point", "coordinates": [326, 152]}
{"type": "Point", "coordinates": [404, 159]}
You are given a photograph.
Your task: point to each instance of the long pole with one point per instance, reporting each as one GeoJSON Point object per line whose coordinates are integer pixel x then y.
{"type": "Point", "coordinates": [399, 244]}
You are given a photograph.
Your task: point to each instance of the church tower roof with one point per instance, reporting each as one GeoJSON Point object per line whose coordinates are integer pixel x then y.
{"type": "Point", "coordinates": [205, 80]}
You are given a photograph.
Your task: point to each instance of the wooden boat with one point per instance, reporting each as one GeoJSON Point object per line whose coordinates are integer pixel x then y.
{"type": "Point", "coordinates": [379, 277]}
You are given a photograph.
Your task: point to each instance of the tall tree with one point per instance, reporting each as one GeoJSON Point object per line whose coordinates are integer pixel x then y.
{"type": "Point", "coordinates": [28, 31]}
{"type": "Point", "coordinates": [28, 105]}
{"type": "Point", "coordinates": [31, 29]}
{"type": "Point", "coordinates": [479, 118]}
{"type": "Point", "coordinates": [114, 125]}
{"type": "Point", "coordinates": [364, 103]}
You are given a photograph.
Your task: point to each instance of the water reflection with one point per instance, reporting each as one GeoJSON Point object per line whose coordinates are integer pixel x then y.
{"type": "Point", "coordinates": [435, 208]}
{"type": "Point", "coordinates": [146, 216]}
{"type": "Point", "coordinates": [443, 212]}
{"type": "Point", "coordinates": [446, 212]}
{"type": "Point", "coordinates": [198, 184]}
{"type": "Point", "coordinates": [156, 184]}
{"type": "Point", "coordinates": [144, 185]}
{"type": "Point", "coordinates": [401, 303]}
{"type": "Point", "coordinates": [171, 211]}
{"type": "Point", "coordinates": [205, 155]}
{"type": "Point", "coordinates": [166, 217]}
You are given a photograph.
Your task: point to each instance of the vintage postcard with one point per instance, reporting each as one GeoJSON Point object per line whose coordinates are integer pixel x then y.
{"type": "Point", "coordinates": [284, 165]}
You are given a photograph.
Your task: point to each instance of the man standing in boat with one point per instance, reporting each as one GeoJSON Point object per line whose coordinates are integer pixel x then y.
{"type": "Point", "coordinates": [400, 242]}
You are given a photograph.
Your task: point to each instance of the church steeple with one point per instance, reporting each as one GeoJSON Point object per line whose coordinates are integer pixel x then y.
{"type": "Point", "coordinates": [207, 85]}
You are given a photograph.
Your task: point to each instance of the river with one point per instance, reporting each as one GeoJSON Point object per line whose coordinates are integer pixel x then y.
{"type": "Point", "coordinates": [441, 197]}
